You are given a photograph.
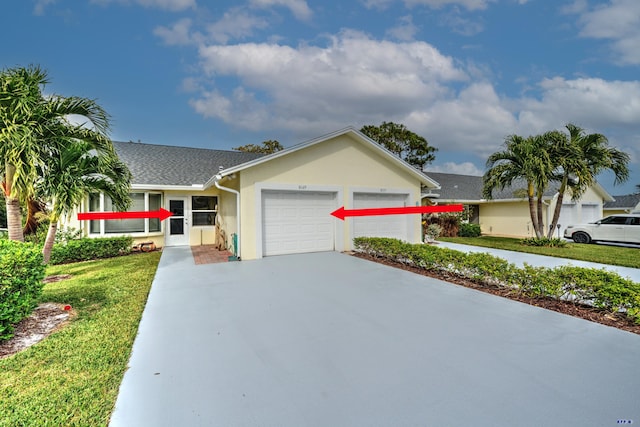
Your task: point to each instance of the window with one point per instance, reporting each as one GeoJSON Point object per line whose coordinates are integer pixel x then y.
{"type": "Point", "coordinates": [616, 220]}
{"type": "Point", "coordinates": [155, 203]}
{"type": "Point", "coordinates": [139, 202]}
{"type": "Point", "coordinates": [125, 226]}
{"type": "Point", "coordinates": [204, 210]}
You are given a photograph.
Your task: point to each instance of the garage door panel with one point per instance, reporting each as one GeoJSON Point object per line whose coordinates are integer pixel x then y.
{"type": "Point", "coordinates": [395, 226]}
{"type": "Point", "coordinates": [296, 221]}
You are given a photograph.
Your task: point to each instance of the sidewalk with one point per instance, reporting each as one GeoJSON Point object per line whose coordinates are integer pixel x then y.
{"type": "Point", "coordinates": [519, 258]}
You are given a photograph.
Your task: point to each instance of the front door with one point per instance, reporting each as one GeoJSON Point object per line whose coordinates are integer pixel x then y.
{"type": "Point", "coordinates": [177, 232]}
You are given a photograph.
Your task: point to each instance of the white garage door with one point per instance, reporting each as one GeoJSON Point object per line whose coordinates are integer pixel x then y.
{"type": "Point", "coordinates": [297, 221]}
{"type": "Point", "coordinates": [568, 216]}
{"type": "Point", "coordinates": [396, 226]}
{"type": "Point", "coordinates": [591, 213]}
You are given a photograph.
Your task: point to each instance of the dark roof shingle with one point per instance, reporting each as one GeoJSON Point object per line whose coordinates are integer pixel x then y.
{"type": "Point", "coordinates": [469, 187]}
{"type": "Point", "coordinates": [153, 164]}
{"type": "Point", "coordinates": [628, 201]}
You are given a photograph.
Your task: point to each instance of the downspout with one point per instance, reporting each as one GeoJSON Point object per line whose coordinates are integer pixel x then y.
{"type": "Point", "coordinates": [216, 182]}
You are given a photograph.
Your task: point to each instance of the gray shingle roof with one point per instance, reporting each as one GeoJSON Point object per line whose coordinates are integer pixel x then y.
{"type": "Point", "coordinates": [469, 187]}
{"type": "Point", "coordinates": [153, 164]}
{"type": "Point", "coordinates": [627, 201]}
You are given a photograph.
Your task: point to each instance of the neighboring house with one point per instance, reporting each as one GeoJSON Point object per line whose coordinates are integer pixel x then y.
{"type": "Point", "coordinates": [277, 204]}
{"type": "Point", "coordinates": [507, 213]}
{"type": "Point", "coordinates": [629, 203]}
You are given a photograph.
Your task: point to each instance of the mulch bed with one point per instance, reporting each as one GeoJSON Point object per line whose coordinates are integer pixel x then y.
{"type": "Point", "coordinates": [592, 314]}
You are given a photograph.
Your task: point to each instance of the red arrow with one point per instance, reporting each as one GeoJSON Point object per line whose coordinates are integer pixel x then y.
{"type": "Point", "coordinates": [161, 213]}
{"type": "Point", "coordinates": [342, 212]}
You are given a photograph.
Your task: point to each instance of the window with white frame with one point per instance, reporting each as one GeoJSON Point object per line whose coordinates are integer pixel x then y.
{"type": "Point", "coordinates": [203, 210]}
{"type": "Point", "coordinates": [147, 201]}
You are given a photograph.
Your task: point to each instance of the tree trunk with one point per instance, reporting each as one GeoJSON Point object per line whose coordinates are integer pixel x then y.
{"type": "Point", "coordinates": [556, 210]}
{"type": "Point", "coordinates": [14, 219]}
{"type": "Point", "coordinates": [34, 207]}
{"type": "Point", "coordinates": [541, 230]}
{"type": "Point", "coordinates": [48, 243]}
{"type": "Point", "coordinates": [534, 217]}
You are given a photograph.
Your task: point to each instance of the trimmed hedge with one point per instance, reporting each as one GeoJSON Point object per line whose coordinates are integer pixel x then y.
{"type": "Point", "coordinates": [598, 288]}
{"type": "Point", "coordinates": [21, 274]}
{"type": "Point", "coordinates": [88, 249]}
{"type": "Point", "coordinates": [469, 230]}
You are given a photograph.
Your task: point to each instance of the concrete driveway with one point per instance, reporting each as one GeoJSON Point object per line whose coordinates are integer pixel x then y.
{"type": "Point", "coordinates": [327, 339]}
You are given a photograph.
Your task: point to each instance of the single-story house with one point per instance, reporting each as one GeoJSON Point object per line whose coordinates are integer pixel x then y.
{"type": "Point", "coordinates": [275, 204]}
{"type": "Point", "coordinates": [629, 203]}
{"type": "Point", "coordinates": [507, 213]}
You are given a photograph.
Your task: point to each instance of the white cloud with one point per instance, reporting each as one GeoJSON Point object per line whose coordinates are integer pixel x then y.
{"type": "Point", "coordinates": [595, 101]}
{"type": "Point", "coordinates": [465, 168]}
{"type": "Point", "coordinates": [460, 25]}
{"type": "Point", "coordinates": [39, 7]}
{"type": "Point", "coordinates": [437, 4]}
{"type": "Point", "coordinates": [617, 21]}
{"type": "Point", "coordinates": [475, 120]}
{"type": "Point", "coordinates": [236, 23]}
{"type": "Point", "coordinates": [405, 30]}
{"type": "Point", "coordinates": [355, 80]}
{"type": "Point", "coordinates": [351, 80]}
{"type": "Point", "coordinates": [299, 8]}
{"type": "Point", "coordinates": [177, 34]}
{"type": "Point", "coordinates": [172, 5]}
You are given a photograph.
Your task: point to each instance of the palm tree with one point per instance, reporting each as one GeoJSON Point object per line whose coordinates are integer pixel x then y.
{"type": "Point", "coordinates": [76, 171]}
{"type": "Point", "coordinates": [524, 159]}
{"type": "Point", "coordinates": [579, 158]}
{"type": "Point", "coordinates": [32, 128]}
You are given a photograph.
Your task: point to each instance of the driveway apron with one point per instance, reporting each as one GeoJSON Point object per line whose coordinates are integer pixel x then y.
{"type": "Point", "coordinates": [327, 339]}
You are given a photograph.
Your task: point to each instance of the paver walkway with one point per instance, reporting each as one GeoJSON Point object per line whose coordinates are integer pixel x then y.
{"type": "Point", "coordinates": [209, 254]}
{"type": "Point", "coordinates": [327, 339]}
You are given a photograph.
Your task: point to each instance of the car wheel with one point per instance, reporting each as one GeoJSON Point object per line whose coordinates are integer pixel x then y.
{"type": "Point", "coordinates": [581, 237]}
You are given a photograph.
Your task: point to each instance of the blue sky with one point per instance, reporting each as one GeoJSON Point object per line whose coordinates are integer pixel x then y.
{"type": "Point", "coordinates": [462, 73]}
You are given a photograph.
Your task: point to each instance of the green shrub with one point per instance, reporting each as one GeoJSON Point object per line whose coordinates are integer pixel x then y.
{"type": "Point", "coordinates": [469, 230]}
{"type": "Point", "coordinates": [599, 288]}
{"type": "Point", "coordinates": [87, 249]}
{"type": "Point", "coordinates": [21, 274]}
{"type": "Point", "coordinates": [544, 241]}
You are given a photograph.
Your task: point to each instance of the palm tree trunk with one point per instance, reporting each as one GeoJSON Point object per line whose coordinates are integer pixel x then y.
{"type": "Point", "coordinates": [14, 219]}
{"type": "Point", "coordinates": [540, 232]}
{"type": "Point", "coordinates": [556, 210]}
{"type": "Point", "coordinates": [532, 212]}
{"type": "Point", "coordinates": [34, 207]}
{"type": "Point", "coordinates": [48, 243]}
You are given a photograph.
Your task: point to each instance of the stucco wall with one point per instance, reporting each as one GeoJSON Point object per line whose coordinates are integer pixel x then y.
{"type": "Point", "coordinates": [506, 219]}
{"type": "Point", "coordinates": [341, 163]}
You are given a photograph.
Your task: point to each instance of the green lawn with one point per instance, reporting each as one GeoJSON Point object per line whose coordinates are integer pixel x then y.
{"type": "Point", "coordinates": [72, 377]}
{"type": "Point", "coordinates": [613, 255]}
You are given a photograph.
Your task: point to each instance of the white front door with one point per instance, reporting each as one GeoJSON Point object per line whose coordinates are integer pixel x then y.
{"type": "Point", "coordinates": [177, 229]}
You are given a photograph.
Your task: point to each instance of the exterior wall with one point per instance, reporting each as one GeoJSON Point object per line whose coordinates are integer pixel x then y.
{"type": "Point", "coordinates": [198, 235]}
{"type": "Point", "coordinates": [510, 219]}
{"type": "Point", "coordinates": [342, 165]}
{"type": "Point", "coordinates": [227, 210]}
{"type": "Point", "coordinates": [513, 218]}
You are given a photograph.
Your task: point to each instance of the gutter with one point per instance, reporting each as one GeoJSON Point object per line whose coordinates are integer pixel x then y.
{"type": "Point", "coordinates": [216, 182]}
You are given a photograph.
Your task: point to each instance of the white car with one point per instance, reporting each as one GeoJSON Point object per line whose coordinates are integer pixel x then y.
{"type": "Point", "coordinates": [624, 228]}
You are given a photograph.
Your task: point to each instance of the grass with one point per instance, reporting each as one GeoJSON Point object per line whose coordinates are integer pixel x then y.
{"type": "Point", "coordinates": [604, 254]}
{"type": "Point", "coordinates": [72, 377]}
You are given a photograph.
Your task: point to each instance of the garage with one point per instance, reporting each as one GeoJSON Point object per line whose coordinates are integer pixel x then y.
{"type": "Point", "coordinates": [297, 222]}
{"type": "Point", "coordinates": [395, 226]}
